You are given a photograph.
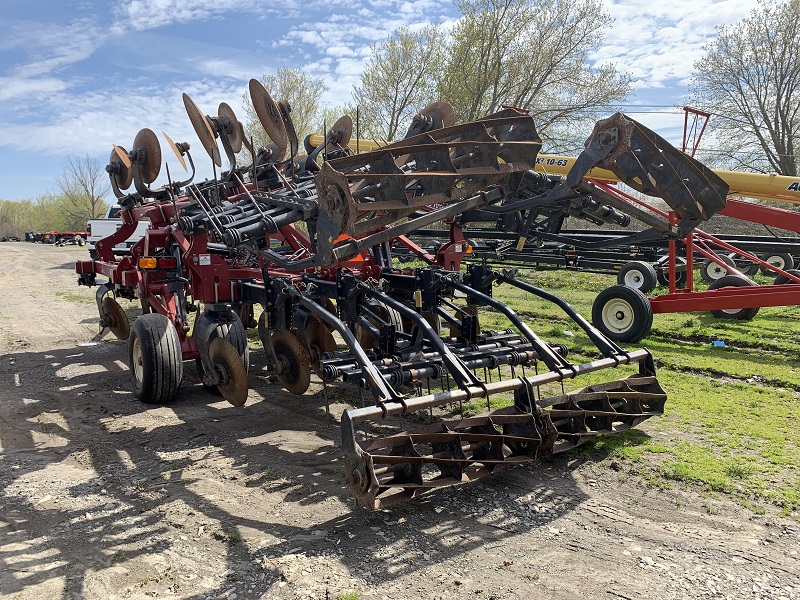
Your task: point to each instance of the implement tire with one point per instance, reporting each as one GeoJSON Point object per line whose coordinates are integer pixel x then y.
{"type": "Point", "coordinates": [638, 275]}
{"type": "Point", "coordinates": [780, 260]}
{"type": "Point", "coordinates": [155, 359]}
{"type": "Point", "coordinates": [623, 314]}
{"type": "Point", "coordinates": [711, 271]}
{"type": "Point", "coordinates": [741, 314]}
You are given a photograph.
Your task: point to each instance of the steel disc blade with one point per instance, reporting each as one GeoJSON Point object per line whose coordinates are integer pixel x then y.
{"type": "Point", "coordinates": [175, 150]}
{"type": "Point", "coordinates": [442, 113]}
{"type": "Point", "coordinates": [202, 129]}
{"type": "Point", "coordinates": [270, 116]}
{"type": "Point", "coordinates": [150, 167]}
{"type": "Point", "coordinates": [320, 340]}
{"type": "Point", "coordinates": [232, 127]}
{"type": "Point", "coordinates": [229, 365]}
{"type": "Point", "coordinates": [294, 369]}
{"type": "Point", "coordinates": [113, 317]}
{"type": "Point", "coordinates": [121, 169]}
{"type": "Point", "coordinates": [343, 131]}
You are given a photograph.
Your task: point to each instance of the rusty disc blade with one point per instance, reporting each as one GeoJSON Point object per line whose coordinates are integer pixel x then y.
{"type": "Point", "coordinates": [270, 116]}
{"type": "Point", "coordinates": [203, 129]}
{"type": "Point", "coordinates": [320, 340]}
{"type": "Point", "coordinates": [442, 113]}
{"type": "Point", "coordinates": [150, 164]}
{"type": "Point", "coordinates": [231, 127]}
{"type": "Point", "coordinates": [175, 150]}
{"type": "Point", "coordinates": [121, 169]}
{"type": "Point", "coordinates": [226, 360]}
{"type": "Point", "coordinates": [113, 317]}
{"type": "Point", "coordinates": [294, 368]}
{"type": "Point", "coordinates": [342, 131]}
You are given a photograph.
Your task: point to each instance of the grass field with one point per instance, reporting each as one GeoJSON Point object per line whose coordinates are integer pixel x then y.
{"type": "Point", "coordinates": [730, 424]}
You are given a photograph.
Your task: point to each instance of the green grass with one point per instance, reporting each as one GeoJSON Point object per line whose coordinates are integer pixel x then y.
{"type": "Point", "coordinates": [76, 297]}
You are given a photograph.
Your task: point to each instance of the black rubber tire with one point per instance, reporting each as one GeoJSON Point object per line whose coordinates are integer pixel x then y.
{"type": "Point", "coordinates": [711, 271]}
{"type": "Point", "coordinates": [638, 275]}
{"type": "Point", "coordinates": [780, 260]}
{"type": "Point", "coordinates": [154, 343]}
{"type": "Point", "coordinates": [781, 279]}
{"type": "Point", "coordinates": [662, 276]}
{"type": "Point", "coordinates": [623, 314]}
{"type": "Point", "coordinates": [235, 333]}
{"type": "Point", "coordinates": [740, 314]}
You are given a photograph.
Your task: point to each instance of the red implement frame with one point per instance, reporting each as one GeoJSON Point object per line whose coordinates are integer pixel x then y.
{"type": "Point", "coordinates": [688, 299]}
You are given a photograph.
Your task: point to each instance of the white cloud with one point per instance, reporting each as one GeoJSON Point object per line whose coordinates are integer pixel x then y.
{"type": "Point", "coordinates": [150, 14]}
{"type": "Point", "coordinates": [659, 42]}
{"type": "Point", "coordinates": [12, 88]}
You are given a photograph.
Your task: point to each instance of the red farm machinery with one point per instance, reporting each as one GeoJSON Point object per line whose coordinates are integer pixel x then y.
{"type": "Point", "coordinates": [300, 247]}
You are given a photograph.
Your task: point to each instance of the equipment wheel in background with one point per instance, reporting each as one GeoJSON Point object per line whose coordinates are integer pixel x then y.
{"type": "Point", "coordinates": [228, 364]}
{"type": "Point", "coordinates": [154, 358]}
{"type": "Point", "coordinates": [781, 279]}
{"type": "Point", "coordinates": [742, 314]}
{"type": "Point", "coordinates": [294, 365]}
{"type": "Point", "coordinates": [711, 271]}
{"type": "Point", "coordinates": [638, 275]}
{"type": "Point", "coordinates": [623, 314]}
{"type": "Point", "coordinates": [662, 276]}
{"type": "Point", "coordinates": [746, 266]}
{"type": "Point", "coordinates": [113, 317]}
{"type": "Point", "coordinates": [780, 260]}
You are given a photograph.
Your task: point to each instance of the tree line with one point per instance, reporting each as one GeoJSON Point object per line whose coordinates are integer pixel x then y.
{"type": "Point", "coordinates": [82, 189]}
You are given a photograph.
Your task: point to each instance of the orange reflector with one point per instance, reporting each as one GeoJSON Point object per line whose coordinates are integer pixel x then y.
{"type": "Point", "coordinates": [148, 262]}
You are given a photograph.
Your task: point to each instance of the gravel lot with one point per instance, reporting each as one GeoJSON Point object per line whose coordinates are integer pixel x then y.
{"type": "Point", "coordinates": [103, 497]}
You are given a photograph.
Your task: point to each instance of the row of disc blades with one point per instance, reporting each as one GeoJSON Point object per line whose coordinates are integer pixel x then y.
{"type": "Point", "coordinates": [145, 156]}
{"type": "Point", "coordinates": [146, 151]}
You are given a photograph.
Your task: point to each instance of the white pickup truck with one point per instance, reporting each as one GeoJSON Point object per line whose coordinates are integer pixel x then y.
{"type": "Point", "coordinates": [99, 229]}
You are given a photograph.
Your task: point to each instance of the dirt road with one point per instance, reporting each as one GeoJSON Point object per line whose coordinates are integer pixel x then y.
{"type": "Point", "coordinates": [103, 497]}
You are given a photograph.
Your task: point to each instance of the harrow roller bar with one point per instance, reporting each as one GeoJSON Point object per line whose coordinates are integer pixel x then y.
{"type": "Point", "coordinates": [386, 470]}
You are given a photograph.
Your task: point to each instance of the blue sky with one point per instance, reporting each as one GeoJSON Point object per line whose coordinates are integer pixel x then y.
{"type": "Point", "coordinates": [77, 76]}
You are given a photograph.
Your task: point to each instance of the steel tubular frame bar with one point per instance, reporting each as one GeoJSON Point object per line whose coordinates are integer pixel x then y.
{"type": "Point", "coordinates": [432, 400]}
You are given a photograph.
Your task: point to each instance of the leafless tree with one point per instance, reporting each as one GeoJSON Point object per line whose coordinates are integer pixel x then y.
{"type": "Point", "coordinates": [749, 79]}
{"type": "Point", "coordinates": [399, 79]}
{"type": "Point", "coordinates": [302, 91]}
{"type": "Point", "coordinates": [83, 186]}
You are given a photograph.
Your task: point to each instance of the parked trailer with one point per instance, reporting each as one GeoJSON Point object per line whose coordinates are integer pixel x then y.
{"type": "Point", "coordinates": [641, 266]}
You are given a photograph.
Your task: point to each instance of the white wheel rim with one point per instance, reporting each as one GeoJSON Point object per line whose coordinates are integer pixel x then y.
{"type": "Point", "coordinates": [634, 279]}
{"type": "Point", "coordinates": [618, 315]}
{"type": "Point", "coordinates": [729, 311]}
{"type": "Point", "coordinates": [777, 262]}
{"type": "Point", "coordinates": [716, 271]}
{"type": "Point", "coordinates": [136, 359]}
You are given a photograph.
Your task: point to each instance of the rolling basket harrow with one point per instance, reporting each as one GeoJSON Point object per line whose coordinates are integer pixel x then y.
{"type": "Point", "coordinates": [311, 246]}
